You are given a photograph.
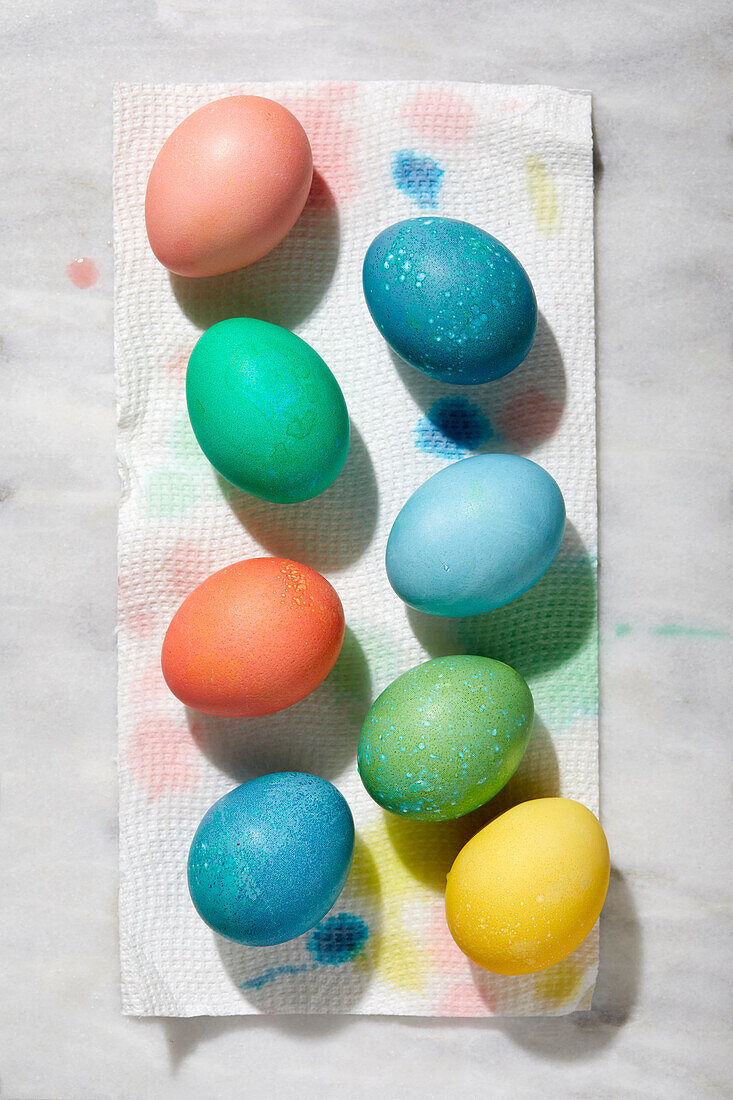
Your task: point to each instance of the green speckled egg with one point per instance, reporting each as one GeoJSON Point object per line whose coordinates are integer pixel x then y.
{"type": "Point", "coordinates": [445, 737]}
{"type": "Point", "coordinates": [266, 410]}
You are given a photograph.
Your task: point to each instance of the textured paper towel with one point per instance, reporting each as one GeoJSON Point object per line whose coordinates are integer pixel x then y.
{"type": "Point", "coordinates": [518, 162]}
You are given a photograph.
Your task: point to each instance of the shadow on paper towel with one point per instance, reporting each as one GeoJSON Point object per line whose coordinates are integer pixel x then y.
{"type": "Point", "coordinates": [515, 413]}
{"type": "Point", "coordinates": [285, 286]}
{"type": "Point", "coordinates": [319, 735]}
{"type": "Point", "coordinates": [328, 533]}
{"type": "Point", "coordinates": [325, 970]}
{"type": "Point", "coordinates": [537, 632]}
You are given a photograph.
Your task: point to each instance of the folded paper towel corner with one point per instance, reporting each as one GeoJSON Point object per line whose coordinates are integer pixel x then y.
{"type": "Point", "coordinates": [518, 162]}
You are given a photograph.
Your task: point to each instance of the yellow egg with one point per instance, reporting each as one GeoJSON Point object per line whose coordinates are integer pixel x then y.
{"type": "Point", "coordinates": [527, 889]}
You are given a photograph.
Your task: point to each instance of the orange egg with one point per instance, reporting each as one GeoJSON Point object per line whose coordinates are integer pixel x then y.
{"type": "Point", "coordinates": [253, 638]}
{"type": "Point", "coordinates": [227, 186]}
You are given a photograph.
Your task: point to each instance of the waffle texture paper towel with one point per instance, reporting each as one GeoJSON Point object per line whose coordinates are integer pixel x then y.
{"type": "Point", "coordinates": [518, 162]}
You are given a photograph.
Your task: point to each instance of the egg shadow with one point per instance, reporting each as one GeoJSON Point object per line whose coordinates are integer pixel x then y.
{"type": "Point", "coordinates": [299, 977]}
{"type": "Point", "coordinates": [538, 631]}
{"type": "Point", "coordinates": [329, 532]}
{"type": "Point", "coordinates": [427, 849]}
{"type": "Point", "coordinates": [319, 735]}
{"type": "Point", "coordinates": [286, 285]}
{"type": "Point", "coordinates": [515, 413]}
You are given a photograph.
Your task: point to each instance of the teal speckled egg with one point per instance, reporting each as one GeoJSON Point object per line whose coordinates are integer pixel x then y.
{"type": "Point", "coordinates": [266, 410]}
{"type": "Point", "coordinates": [450, 299]}
{"type": "Point", "coordinates": [445, 737]}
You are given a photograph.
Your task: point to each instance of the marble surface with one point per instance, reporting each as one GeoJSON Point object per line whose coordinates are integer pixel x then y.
{"type": "Point", "coordinates": [659, 1023]}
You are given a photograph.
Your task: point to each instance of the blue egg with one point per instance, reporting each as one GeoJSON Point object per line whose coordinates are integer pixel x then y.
{"type": "Point", "coordinates": [271, 857]}
{"type": "Point", "coordinates": [475, 535]}
{"type": "Point", "coordinates": [450, 299]}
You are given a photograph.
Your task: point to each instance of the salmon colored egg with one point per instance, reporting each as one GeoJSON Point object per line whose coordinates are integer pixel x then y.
{"type": "Point", "coordinates": [227, 186]}
{"type": "Point", "coordinates": [528, 888]}
{"type": "Point", "coordinates": [253, 638]}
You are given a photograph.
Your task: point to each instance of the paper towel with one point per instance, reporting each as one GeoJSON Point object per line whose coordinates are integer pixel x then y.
{"type": "Point", "coordinates": [518, 162]}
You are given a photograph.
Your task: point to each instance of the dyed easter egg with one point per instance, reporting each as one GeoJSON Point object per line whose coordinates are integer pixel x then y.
{"type": "Point", "coordinates": [253, 638]}
{"type": "Point", "coordinates": [450, 299]}
{"type": "Point", "coordinates": [271, 857]}
{"type": "Point", "coordinates": [227, 186]}
{"type": "Point", "coordinates": [527, 889]}
{"type": "Point", "coordinates": [445, 737]}
{"type": "Point", "coordinates": [475, 535]}
{"type": "Point", "coordinates": [266, 410]}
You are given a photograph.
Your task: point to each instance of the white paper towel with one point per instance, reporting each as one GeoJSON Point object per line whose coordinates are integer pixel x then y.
{"type": "Point", "coordinates": [518, 162]}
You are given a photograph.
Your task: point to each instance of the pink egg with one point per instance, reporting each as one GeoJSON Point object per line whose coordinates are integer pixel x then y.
{"type": "Point", "coordinates": [227, 186]}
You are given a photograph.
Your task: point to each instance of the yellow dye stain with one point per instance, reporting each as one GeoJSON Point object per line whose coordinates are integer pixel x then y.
{"type": "Point", "coordinates": [426, 849]}
{"type": "Point", "coordinates": [542, 196]}
{"type": "Point", "coordinates": [559, 984]}
{"type": "Point", "coordinates": [400, 866]}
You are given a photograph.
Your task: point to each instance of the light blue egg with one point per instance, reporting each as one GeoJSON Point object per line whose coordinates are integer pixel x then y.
{"type": "Point", "coordinates": [450, 299]}
{"type": "Point", "coordinates": [271, 857]}
{"type": "Point", "coordinates": [476, 535]}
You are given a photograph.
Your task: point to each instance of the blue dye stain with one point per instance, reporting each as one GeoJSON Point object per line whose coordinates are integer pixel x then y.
{"type": "Point", "coordinates": [273, 973]}
{"type": "Point", "coordinates": [452, 427]}
{"type": "Point", "coordinates": [331, 943]}
{"type": "Point", "coordinates": [338, 939]}
{"type": "Point", "coordinates": [418, 176]}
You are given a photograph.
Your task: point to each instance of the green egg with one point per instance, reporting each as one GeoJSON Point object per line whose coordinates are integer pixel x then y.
{"type": "Point", "coordinates": [445, 737]}
{"type": "Point", "coordinates": [266, 410]}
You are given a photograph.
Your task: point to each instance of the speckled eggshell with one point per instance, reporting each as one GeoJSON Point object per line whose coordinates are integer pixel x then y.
{"type": "Point", "coordinates": [271, 857]}
{"type": "Point", "coordinates": [266, 410]}
{"type": "Point", "coordinates": [253, 638]}
{"type": "Point", "coordinates": [450, 299]}
{"type": "Point", "coordinates": [445, 737]}
{"type": "Point", "coordinates": [227, 186]}
{"type": "Point", "coordinates": [527, 889]}
{"type": "Point", "coordinates": [475, 535]}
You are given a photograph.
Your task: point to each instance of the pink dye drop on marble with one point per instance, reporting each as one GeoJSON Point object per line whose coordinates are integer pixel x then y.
{"type": "Point", "coordinates": [441, 115]}
{"type": "Point", "coordinates": [162, 756]}
{"type": "Point", "coordinates": [82, 272]}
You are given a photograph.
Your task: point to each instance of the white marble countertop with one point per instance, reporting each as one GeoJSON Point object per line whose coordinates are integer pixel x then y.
{"type": "Point", "coordinates": [659, 76]}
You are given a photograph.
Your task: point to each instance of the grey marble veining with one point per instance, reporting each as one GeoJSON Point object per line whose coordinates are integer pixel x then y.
{"type": "Point", "coordinates": [659, 1027]}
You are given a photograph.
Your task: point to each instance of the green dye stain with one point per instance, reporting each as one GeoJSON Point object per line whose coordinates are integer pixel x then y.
{"type": "Point", "coordinates": [622, 630]}
{"type": "Point", "coordinates": [672, 630]}
{"type": "Point", "coordinates": [168, 492]}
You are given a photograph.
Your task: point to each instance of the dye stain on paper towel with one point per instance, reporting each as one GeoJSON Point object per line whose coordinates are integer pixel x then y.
{"type": "Point", "coordinates": [451, 428]}
{"type": "Point", "coordinates": [542, 197]}
{"type": "Point", "coordinates": [333, 942]}
{"type": "Point", "coordinates": [338, 939]}
{"type": "Point", "coordinates": [418, 176]}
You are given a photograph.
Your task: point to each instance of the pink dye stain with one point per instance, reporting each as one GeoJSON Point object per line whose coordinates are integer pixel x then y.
{"type": "Point", "coordinates": [82, 272]}
{"type": "Point", "coordinates": [510, 106]}
{"type": "Point", "coordinates": [333, 142]}
{"type": "Point", "coordinates": [527, 418]}
{"type": "Point", "coordinates": [184, 569]}
{"type": "Point", "coordinates": [162, 756]}
{"type": "Point", "coordinates": [441, 115]}
{"type": "Point", "coordinates": [461, 997]}
{"type": "Point", "coordinates": [178, 364]}
{"type": "Point", "coordinates": [134, 614]}
{"type": "Point", "coordinates": [464, 999]}
{"type": "Point", "coordinates": [177, 574]}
